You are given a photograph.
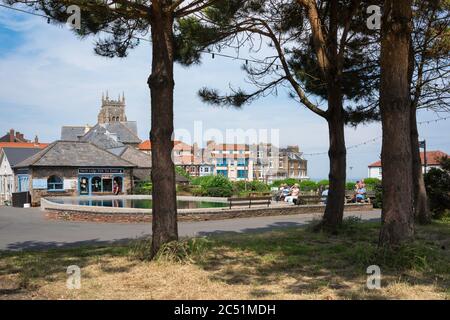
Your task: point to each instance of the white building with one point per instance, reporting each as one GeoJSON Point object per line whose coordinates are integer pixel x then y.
{"type": "Point", "coordinates": [231, 160]}
{"type": "Point", "coordinates": [433, 157]}
{"type": "Point", "coordinates": [8, 158]}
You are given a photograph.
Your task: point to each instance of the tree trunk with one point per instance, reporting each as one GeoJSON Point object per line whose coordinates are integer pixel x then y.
{"type": "Point", "coordinates": [334, 210]}
{"type": "Point", "coordinates": [397, 212]}
{"type": "Point", "coordinates": [161, 83]}
{"type": "Point", "coordinates": [331, 64]}
{"type": "Point", "coordinates": [421, 209]}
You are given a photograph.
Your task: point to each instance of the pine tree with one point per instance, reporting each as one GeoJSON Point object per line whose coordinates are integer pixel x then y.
{"type": "Point", "coordinates": [319, 49]}
{"type": "Point", "coordinates": [125, 21]}
{"type": "Point", "coordinates": [429, 82]}
{"type": "Point", "coordinates": [397, 211]}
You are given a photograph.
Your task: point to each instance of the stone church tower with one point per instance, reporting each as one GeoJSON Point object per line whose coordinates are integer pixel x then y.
{"type": "Point", "coordinates": [112, 110]}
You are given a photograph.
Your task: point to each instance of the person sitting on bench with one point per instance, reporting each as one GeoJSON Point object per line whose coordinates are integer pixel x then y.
{"type": "Point", "coordinates": [324, 195]}
{"type": "Point", "coordinates": [360, 194]}
{"type": "Point", "coordinates": [295, 191]}
{"type": "Point", "coordinates": [283, 192]}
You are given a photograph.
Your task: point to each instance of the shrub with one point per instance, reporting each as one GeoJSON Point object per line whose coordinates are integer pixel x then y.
{"type": "Point", "coordinates": [371, 183]}
{"type": "Point", "coordinates": [180, 171]}
{"type": "Point", "coordinates": [308, 185]}
{"type": "Point", "coordinates": [213, 186]}
{"type": "Point", "coordinates": [378, 202]}
{"type": "Point", "coordinates": [197, 191]}
{"type": "Point", "coordinates": [201, 180]}
{"type": "Point", "coordinates": [288, 181]}
{"type": "Point", "coordinates": [182, 251]}
{"type": "Point", "coordinates": [184, 188]}
{"type": "Point", "coordinates": [323, 183]}
{"type": "Point", "coordinates": [350, 186]}
{"type": "Point", "coordinates": [143, 187]}
{"type": "Point", "coordinates": [437, 183]}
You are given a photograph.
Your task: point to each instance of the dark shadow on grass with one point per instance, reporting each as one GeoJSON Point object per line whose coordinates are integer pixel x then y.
{"type": "Point", "coordinates": [271, 227]}
{"type": "Point", "coordinates": [312, 261]}
{"type": "Point", "coordinates": [45, 245]}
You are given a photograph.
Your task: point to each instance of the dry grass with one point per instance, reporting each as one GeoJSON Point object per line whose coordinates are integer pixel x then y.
{"type": "Point", "coordinates": [281, 264]}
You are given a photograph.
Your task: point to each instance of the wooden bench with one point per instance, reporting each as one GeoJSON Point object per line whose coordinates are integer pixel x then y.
{"type": "Point", "coordinates": [310, 199]}
{"type": "Point", "coordinates": [260, 194]}
{"type": "Point", "coordinates": [249, 201]}
{"type": "Point", "coordinates": [370, 196]}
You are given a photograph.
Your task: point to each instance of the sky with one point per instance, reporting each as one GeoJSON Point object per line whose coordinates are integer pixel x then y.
{"type": "Point", "coordinates": [50, 78]}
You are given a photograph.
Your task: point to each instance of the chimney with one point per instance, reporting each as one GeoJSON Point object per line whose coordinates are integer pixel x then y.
{"type": "Point", "coordinates": [11, 135]}
{"type": "Point", "coordinates": [19, 136]}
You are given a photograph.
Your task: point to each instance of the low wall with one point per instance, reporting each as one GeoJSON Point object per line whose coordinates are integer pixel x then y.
{"type": "Point", "coordinates": [99, 214]}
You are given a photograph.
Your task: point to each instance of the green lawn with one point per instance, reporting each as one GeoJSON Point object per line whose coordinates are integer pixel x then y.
{"type": "Point", "coordinates": [289, 263]}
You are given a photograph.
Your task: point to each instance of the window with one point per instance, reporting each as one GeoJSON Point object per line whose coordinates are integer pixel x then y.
{"type": "Point", "coordinates": [96, 184]}
{"type": "Point", "coordinates": [223, 172]}
{"type": "Point", "coordinates": [242, 174]}
{"type": "Point", "coordinates": [107, 185]}
{"type": "Point", "coordinates": [242, 162]}
{"type": "Point", "coordinates": [55, 183]}
{"type": "Point", "coordinates": [84, 185]}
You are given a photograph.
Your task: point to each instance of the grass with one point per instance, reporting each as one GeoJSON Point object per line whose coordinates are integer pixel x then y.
{"type": "Point", "coordinates": [289, 263]}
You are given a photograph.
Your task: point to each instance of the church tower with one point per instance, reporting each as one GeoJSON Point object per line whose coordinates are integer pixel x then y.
{"type": "Point", "coordinates": [112, 110]}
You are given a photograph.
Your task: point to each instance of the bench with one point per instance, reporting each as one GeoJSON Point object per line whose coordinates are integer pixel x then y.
{"type": "Point", "coordinates": [370, 196]}
{"type": "Point", "coordinates": [310, 199]}
{"type": "Point", "coordinates": [249, 201]}
{"type": "Point", "coordinates": [260, 194]}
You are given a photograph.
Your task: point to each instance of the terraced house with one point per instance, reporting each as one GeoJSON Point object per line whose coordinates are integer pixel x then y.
{"type": "Point", "coordinates": [231, 160]}
{"type": "Point", "coordinates": [273, 163]}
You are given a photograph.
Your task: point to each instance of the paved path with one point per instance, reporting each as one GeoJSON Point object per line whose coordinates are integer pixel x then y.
{"type": "Point", "coordinates": [22, 229]}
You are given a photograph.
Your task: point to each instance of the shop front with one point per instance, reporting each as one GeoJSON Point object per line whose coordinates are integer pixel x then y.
{"type": "Point", "coordinates": [97, 181]}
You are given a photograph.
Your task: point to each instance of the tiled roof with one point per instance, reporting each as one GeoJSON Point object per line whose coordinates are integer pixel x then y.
{"type": "Point", "coordinates": [432, 158]}
{"type": "Point", "coordinates": [136, 157]}
{"type": "Point", "coordinates": [123, 132]}
{"type": "Point", "coordinates": [72, 133]}
{"type": "Point", "coordinates": [178, 145]}
{"type": "Point", "coordinates": [16, 155]}
{"type": "Point", "coordinates": [145, 145]}
{"type": "Point", "coordinates": [102, 138]}
{"type": "Point", "coordinates": [23, 145]}
{"type": "Point", "coordinates": [74, 154]}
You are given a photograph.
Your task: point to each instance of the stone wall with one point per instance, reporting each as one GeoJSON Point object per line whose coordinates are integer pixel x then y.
{"type": "Point", "coordinates": [238, 212]}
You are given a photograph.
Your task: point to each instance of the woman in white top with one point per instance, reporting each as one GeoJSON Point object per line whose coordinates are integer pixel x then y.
{"type": "Point", "coordinates": [295, 191]}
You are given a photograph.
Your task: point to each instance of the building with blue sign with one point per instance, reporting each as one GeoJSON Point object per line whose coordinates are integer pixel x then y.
{"type": "Point", "coordinates": [69, 168]}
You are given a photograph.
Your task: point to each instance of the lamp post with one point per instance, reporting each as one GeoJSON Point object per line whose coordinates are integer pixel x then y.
{"type": "Point", "coordinates": [423, 144]}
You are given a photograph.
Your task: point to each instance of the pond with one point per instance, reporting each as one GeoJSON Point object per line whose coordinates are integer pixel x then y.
{"type": "Point", "coordinates": [138, 203]}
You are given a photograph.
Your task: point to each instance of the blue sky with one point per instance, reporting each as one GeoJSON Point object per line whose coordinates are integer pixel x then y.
{"type": "Point", "coordinates": [49, 78]}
